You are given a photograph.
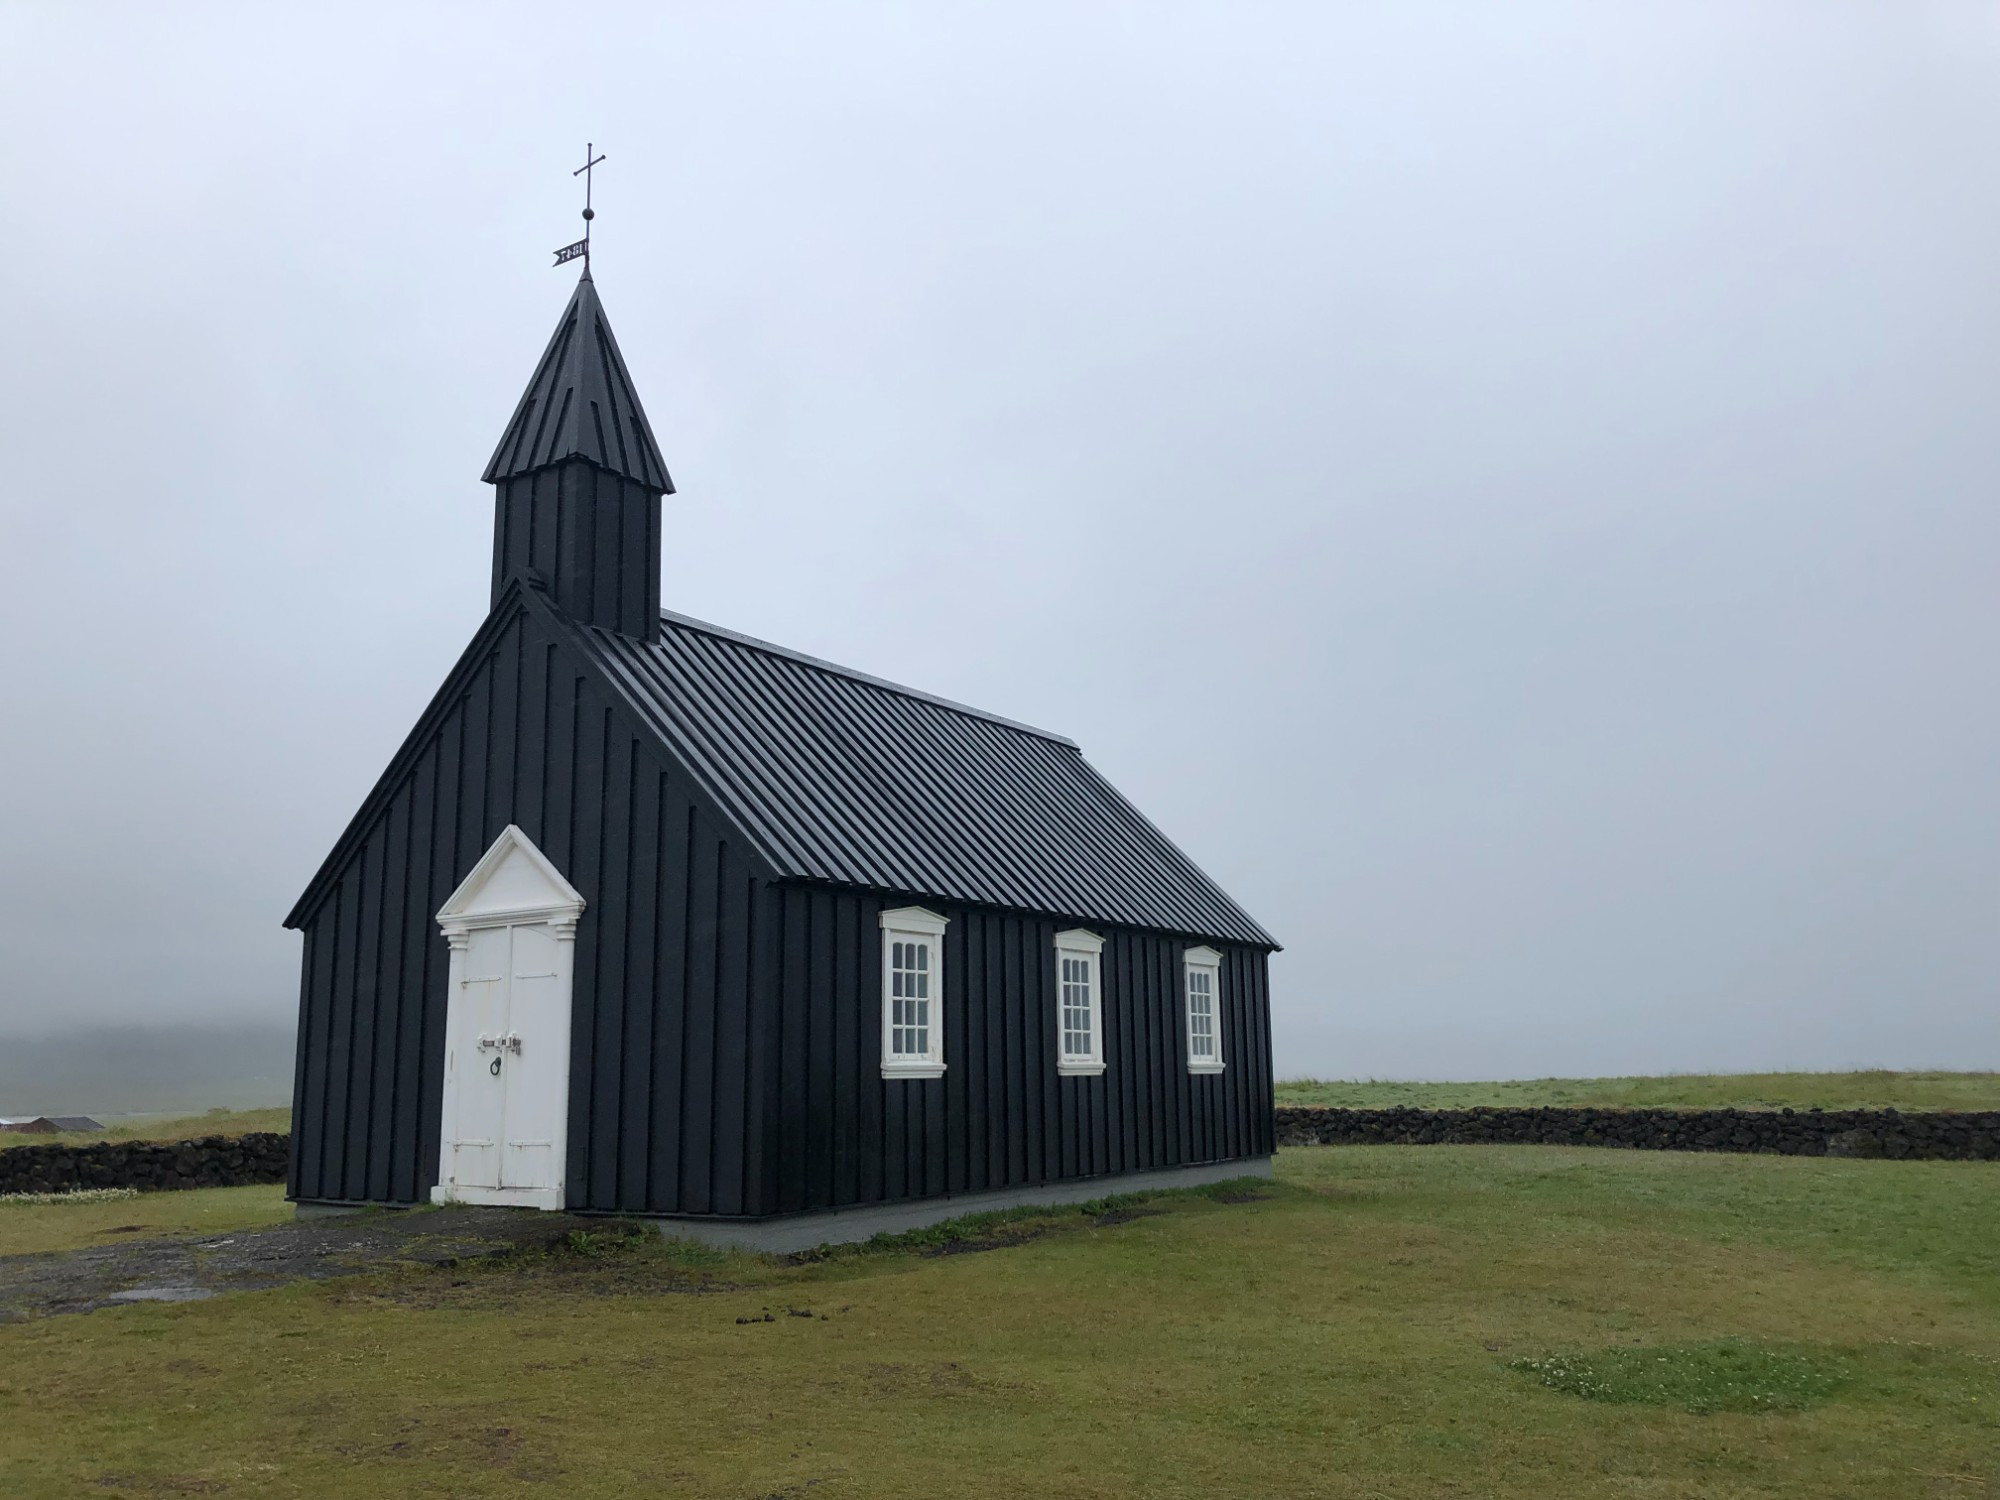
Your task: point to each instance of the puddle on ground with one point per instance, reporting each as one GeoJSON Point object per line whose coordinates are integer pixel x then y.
{"type": "Point", "coordinates": [119, 1271]}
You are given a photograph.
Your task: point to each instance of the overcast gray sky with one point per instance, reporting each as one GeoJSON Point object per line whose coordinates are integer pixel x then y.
{"type": "Point", "coordinates": [1514, 490]}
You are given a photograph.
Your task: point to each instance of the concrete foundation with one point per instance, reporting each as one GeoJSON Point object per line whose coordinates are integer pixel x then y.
{"type": "Point", "coordinates": [846, 1226]}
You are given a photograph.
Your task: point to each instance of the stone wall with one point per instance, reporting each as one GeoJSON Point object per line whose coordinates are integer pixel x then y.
{"type": "Point", "coordinates": [1852, 1132]}
{"type": "Point", "coordinates": [236, 1161]}
{"type": "Point", "coordinates": [213, 1161]}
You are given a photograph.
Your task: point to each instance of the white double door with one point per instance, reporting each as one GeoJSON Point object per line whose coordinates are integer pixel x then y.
{"type": "Point", "coordinates": [506, 1090]}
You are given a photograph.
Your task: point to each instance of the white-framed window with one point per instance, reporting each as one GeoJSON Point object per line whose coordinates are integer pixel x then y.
{"type": "Point", "coordinates": [1201, 984]}
{"type": "Point", "coordinates": [912, 993]}
{"type": "Point", "coordinates": [1079, 1003]}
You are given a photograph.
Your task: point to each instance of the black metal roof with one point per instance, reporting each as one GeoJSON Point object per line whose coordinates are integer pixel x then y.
{"type": "Point", "coordinates": [581, 404]}
{"type": "Point", "coordinates": [845, 778]}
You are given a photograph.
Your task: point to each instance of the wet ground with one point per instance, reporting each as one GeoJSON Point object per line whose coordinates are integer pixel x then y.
{"type": "Point", "coordinates": [188, 1270]}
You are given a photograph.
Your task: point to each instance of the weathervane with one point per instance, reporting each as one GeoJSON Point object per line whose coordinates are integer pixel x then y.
{"type": "Point", "coordinates": [582, 246]}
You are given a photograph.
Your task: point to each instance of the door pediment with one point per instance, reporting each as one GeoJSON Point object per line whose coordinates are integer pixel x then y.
{"type": "Point", "coordinates": [513, 880]}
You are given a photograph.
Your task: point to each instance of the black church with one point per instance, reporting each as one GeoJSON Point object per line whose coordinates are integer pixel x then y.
{"type": "Point", "coordinates": [649, 917]}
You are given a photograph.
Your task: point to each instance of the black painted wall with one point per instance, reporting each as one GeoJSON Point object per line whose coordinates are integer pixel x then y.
{"type": "Point", "coordinates": [592, 536]}
{"type": "Point", "coordinates": [1001, 1115]}
{"type": "Point", "coordinates": [726, 1039]}
{"type": "Point", "coordinates": [526, 733]}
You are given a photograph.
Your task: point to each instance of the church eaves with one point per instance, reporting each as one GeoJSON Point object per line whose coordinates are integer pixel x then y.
{"type": "Point", "coordinates": [581, 404]}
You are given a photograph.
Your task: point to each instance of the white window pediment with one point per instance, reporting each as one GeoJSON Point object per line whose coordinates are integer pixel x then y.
{"type": "Point", "coordinates": [915, 919]}
{"type": "Point", "coordinates": [513, 879]}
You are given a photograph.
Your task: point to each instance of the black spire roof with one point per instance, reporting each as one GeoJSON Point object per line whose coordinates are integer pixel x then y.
{"type": "Point", "coordinates": [581, 404]}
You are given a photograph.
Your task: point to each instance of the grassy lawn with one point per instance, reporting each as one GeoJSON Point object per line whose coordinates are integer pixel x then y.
{"type": "Point", "coordinates": [199, 1212]}
{"type": "Point", "coordinates": [1384, 1321]}
{"type": "Point", "coordinates": [176, 1128]}
{"type": "Point", "coordinates": [1874, 1089]}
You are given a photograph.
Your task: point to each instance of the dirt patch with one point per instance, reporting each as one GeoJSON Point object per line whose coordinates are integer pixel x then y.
{"type": "Point", "coordinates": [1004, 1240]}
{"type": "Point", "coordinates": [1113, 1216]}
{"type": "Point", "coordinates": [183, 1270]}
{"type": "Point", "coordinates": [1243, 1195]}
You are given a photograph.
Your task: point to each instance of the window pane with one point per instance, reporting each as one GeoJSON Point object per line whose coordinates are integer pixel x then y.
{"type": "Point", "coordinates": [1074, 998]}
{"type": "Point", "coordinates": [1201, 1015]}
{"type": "Point", "coordinates": [909, 995]}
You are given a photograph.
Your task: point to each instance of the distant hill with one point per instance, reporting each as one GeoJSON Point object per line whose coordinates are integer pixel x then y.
{"type": "Point", "coordinates": [120, 1070]}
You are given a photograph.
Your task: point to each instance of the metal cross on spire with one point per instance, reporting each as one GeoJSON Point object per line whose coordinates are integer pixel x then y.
{"type": "Point", "coordinates": [582, 246]}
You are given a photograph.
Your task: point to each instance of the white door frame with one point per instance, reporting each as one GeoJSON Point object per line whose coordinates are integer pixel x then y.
{"type": "Point", "coordinates": [557, 904]}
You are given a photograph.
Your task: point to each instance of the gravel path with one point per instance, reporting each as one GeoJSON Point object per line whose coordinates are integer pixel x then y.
{"type": "Point", "coordinates": [188, 1270]}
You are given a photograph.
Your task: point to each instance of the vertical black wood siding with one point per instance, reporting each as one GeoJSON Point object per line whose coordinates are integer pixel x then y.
{"type": "Point", "coordinates": [594, 537]}
{"type": "Point", "coordinates": [726, 1033]}
{"type": "Point", "coordinates": [1001, 1116]}
{"type": "Point", "coordinates": [665, 1010]}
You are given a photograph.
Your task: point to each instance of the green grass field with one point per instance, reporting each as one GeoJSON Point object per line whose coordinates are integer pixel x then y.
{"type": "Point", "coordinates": [28, 1228]}
{"type": "Point", "coordinates": [1385, 1321]}
{"type": "Point", "coordinates": [1874, 1089]}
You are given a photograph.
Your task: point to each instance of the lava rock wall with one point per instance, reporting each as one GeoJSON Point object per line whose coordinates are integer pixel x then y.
{"type": "Point", "coordinates": [1848, 1132]}
{"type": "Point", "coordinates": [239, 1160]}
{"type": "Point", "coordinates": [213, 1161]}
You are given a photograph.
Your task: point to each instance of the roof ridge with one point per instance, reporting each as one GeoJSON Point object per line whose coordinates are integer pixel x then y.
{"type": "Point", "coordinates": [722, 632]}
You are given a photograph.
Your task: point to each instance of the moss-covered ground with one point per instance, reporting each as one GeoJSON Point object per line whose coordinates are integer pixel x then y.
{"type": "Point", "coordinates": [27, 1228]}
{"type": "Point", "coordinates": [1871, 1089]}
{"type": "Point", "coordinates": [1387, 1321]}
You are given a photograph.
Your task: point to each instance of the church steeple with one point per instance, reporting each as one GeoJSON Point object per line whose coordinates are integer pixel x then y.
{"type": "Point", "coordinates": [579, 478]}
{"type": "Point", "coordinates": [581, 404]}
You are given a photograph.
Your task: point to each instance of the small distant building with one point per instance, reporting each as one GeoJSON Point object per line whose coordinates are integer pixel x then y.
{"type": "Point", "coordinates": [48, 1124]}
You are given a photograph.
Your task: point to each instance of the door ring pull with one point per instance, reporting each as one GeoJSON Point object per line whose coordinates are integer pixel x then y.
{"type": "Point", "coordinates": [495, 1069]}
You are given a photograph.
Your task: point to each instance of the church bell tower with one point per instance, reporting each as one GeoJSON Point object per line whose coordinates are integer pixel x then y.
{"type": "Point", "coordinates": [578, 479]}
